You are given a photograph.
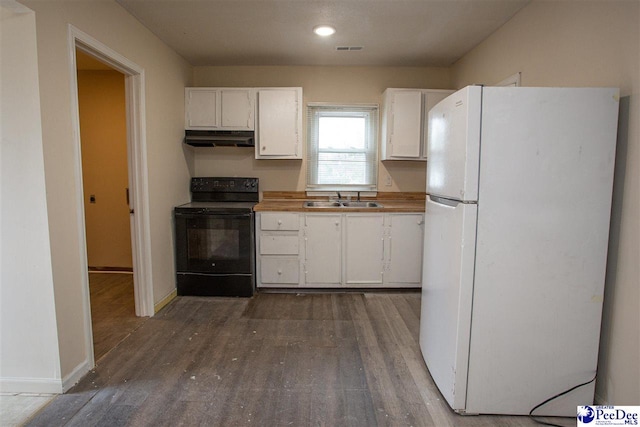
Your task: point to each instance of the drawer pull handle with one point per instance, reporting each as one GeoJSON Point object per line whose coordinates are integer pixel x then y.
{"type": "Point", "coordinates": [279, 271]}
{"type": "Point", "coordinates": [279, 222]}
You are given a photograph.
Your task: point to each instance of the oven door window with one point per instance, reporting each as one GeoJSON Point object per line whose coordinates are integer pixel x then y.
{"type": "Point", "coordinates": [214, 244]}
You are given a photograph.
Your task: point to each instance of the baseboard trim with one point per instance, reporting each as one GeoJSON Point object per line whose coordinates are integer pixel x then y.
{"type": "Point", "coordinates": [31, 385]}
{"type": "Point", "coordinates": [76, 375]}
{"type": "Point", "coordinates": [110, 269]}
{"type": "Point", "coordinates": [164, 301]}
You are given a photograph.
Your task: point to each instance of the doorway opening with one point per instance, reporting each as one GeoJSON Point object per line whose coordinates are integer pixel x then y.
{"type": "Point", "coordinates": [133, 195]}
{"type": "Point", "coordinates": [105, 178]}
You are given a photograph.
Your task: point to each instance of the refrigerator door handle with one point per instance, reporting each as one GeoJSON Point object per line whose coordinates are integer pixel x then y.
{"type": "Point", "coordinates": [444, 201]}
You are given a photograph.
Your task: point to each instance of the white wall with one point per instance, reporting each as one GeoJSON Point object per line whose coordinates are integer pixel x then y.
{"type": "Point", "coordinates": [29, 360]}
{"type": "Point", "coordinates": [166, 75]}
{"type": "Point", "coordinates": [588, 43]}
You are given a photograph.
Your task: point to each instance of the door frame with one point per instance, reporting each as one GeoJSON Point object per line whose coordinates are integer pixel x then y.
{"type": "Point", "coordinates": [138, 173]}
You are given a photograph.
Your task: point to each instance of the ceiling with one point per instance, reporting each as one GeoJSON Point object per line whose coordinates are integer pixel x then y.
{"type": "Point", "coordinates": [279, 32]}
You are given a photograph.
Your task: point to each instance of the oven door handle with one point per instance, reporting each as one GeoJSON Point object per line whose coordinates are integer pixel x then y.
{"type": "Point", "coordinates": [210, 215]}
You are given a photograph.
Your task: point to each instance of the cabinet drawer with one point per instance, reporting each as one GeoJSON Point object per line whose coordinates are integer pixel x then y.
{"type": "Point", "coordinates": [279, 221]}
{"type": "Point", "coordinates": [279, 270]}
{"type": "Point", "coordinates": [279, 245]}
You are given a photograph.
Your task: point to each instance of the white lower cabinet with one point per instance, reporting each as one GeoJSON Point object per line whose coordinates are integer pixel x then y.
{"type": "Point", "coordinates": [404, 250]}
{"type": "Point", "coordinates": [278, 271]}
{"type": "Point", "coordinates": [322, 250]}
{"type": "Point", "coordinates": [336, 250]}
{"type": "Point", "coordinates": [278, 249]}
{"type": "Point", "coordinates": [364, 250]}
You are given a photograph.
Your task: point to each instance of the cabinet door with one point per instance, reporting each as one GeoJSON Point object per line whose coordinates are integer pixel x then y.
{"type": "Point", "coordinates": [323, 250]}
{"type": "Point", "coordinates": [202, 108]}
{"type": "Point", "coordinates": [279, 123]}
{"type": "Point", "coordinates": [405, 127]}
{"type": "Point", "coordinates": [431, 98]}
{"type": "Point", "coordinates": [237, 109]}
{"type": "Point", "coordinates": [364, 249]}
{"type": "Point", "coordinates": [405, 250]}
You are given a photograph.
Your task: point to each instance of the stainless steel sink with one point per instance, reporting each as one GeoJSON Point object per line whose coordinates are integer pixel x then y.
{"type": "Point", "coordinates": [361, 204]}
{"type": "Point", "coordinates": [334, 204]}
{"type": "Point", "coordinates": [322, 204]}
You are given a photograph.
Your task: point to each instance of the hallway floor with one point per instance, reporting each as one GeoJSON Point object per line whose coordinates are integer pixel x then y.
{"type": "Point", "coordinates": [17, 408]}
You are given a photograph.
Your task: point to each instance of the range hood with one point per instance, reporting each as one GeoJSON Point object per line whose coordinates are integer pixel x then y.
{"type": "Point", "coordinates": [221, 138]}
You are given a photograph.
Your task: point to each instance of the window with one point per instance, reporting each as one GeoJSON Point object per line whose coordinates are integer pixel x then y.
{"type": "Point", "coordinates": [342, 147]}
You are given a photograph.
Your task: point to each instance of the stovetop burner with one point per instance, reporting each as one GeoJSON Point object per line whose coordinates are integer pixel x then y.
{"type": "Point", "coordinates": [224, 189]}
{"type": "Point", "coordinates": [221, 194]}
{"type": "Point", "coordinates": [216, 207]}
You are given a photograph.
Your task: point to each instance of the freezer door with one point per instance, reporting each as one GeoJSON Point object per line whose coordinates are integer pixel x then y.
{"type": "Point", "coordinates": [453, 150]}
{"type": "Point", "coordinates": [447, 288]}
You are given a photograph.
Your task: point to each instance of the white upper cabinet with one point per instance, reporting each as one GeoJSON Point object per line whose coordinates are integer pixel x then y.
{"type": "Point", "coordinates": [201, 108]}
{"type": "Point", "coordinates": [405, 122]}
{"type": "Point", "coordinates": [237, 109]}
{"type": "Point", "coordinates": [402, 124]}
{"type": "Point", "coordinates": [279, 125]}
{"type": "Point", "coordinates": [219, 108]}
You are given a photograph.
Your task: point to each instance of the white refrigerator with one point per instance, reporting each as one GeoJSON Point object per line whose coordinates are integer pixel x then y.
{"type": "Point", "coordinates": [519, 184]}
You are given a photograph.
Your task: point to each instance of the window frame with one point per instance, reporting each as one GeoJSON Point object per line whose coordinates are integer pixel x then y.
{"type": "Point", "coordinates": [317, 110]}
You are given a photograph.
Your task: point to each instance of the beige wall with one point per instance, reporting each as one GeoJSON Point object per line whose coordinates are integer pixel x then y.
{"type": "Point", "coordinates": [29, 354]}
{"type": "Point", "coordinates": [587, 43]}
{"type": "Point", "coordinates": [103, 132]}
{"type": "Point", "coordinates": [319, 84]}
{"type": "Point", "coordinates": [166, 76]}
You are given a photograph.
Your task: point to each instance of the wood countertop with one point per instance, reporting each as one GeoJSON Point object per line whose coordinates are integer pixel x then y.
{"type": "Point", "coordinates": [293, 201]}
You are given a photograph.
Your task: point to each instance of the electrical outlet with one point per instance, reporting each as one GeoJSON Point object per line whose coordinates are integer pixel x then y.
{"type": "Point", "coordinates": [388, 181]}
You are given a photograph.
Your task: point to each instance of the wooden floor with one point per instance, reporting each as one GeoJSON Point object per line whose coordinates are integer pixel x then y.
{"type": "Point", "coordinates": [113, 311]}
{"type": "Point", "coordinates": [273, 360]}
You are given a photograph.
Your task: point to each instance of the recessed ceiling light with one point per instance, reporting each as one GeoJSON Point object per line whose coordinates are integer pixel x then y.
{"type": "Point", "coordinates": [324, 30]}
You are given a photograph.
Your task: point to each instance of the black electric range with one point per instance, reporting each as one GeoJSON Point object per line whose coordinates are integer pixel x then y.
{"type": "Point", "coordinates": [215, 242]}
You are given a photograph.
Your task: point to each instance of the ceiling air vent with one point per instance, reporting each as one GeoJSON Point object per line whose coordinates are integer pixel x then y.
{"type": "Point", "coordinates": [346, 48]}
